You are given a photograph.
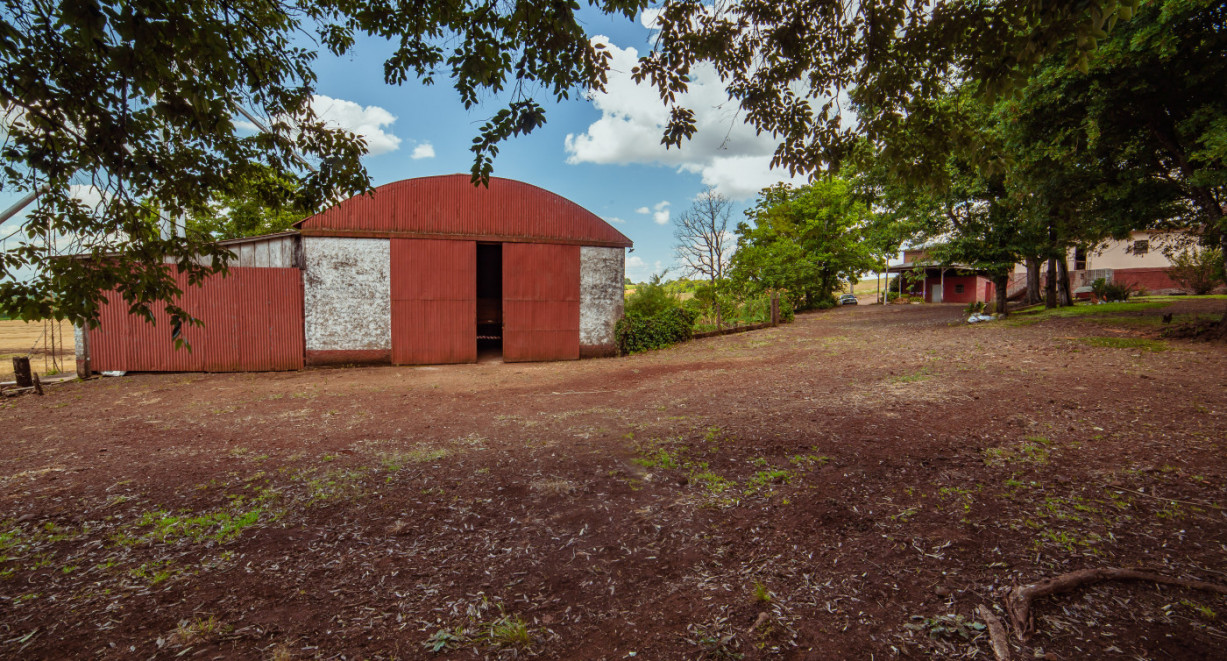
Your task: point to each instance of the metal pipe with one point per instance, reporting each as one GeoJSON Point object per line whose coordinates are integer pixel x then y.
{"type": "Point", "coordinates": [260, 125]}
{"type": "Point", "coordinates": [23, 203]}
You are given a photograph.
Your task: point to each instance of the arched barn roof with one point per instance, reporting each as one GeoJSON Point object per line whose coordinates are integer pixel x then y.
{"type": "Point", "coordinates": [451, 207]}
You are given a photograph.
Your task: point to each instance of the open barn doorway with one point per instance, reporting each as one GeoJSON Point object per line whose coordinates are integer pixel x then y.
{"type": "Point", "coordinates": [489, 302]}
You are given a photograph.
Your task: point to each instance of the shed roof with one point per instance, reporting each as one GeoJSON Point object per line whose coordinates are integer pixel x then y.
{"type": "Point", "coordinates": [451, 207]}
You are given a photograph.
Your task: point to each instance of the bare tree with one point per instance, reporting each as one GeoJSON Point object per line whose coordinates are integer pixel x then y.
{"type": "Point", "coordinates": [703, 241]}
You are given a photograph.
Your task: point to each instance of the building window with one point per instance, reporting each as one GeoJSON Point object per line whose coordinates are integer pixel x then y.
{"type": "Point", "coordinates": [958, 289]}
{"type": "Point", "coordinates": [1141, 247]}
{"type": "Point", "coordinates": [1079, 259]}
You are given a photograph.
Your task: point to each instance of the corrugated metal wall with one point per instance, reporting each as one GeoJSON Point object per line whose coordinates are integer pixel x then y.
{"type": "Point", "coordinates": [451, 207]}
{"type": "Point", "coordinates": [253, 322]}
{"type": "Point", "coordinates": [434, 301]}
{"type": "Point", "coordinates": [540, 302]}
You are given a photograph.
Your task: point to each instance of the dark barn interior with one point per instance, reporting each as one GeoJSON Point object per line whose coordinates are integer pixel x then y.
{"type": "Point", "coordinates": [489, 301]}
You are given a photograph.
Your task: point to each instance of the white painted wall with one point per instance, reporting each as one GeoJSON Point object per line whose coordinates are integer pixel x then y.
{"type": "Point", "coordinates": [601, 299]}
{"type": "Point", "coordinates": [1116, 254]}
{"type": "Point", "coordinates": [347, 294]}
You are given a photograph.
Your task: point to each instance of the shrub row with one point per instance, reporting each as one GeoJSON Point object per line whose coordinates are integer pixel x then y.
{"type": "Point", "coordinates": [644, 333]}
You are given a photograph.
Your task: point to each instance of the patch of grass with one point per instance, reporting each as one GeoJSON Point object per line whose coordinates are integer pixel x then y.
{"type": "Point", "coordinates": [510, 632]}
{"type": "Point", "coordinates": [504, 633]}
{"type": "Point", "coordinates": [914, 377]}
{"type": "Point", "coordinates": [394, 461]}
{"type": "Point", "coordinates": [715, 640]}
{"type": "Point", "coordinates": [809, 460]}
{"type": "Point", "coordinates": [334, 485]}
{"type": "Point", "coordinates": [1204, 612]}
{"type": "Point", "coordinates": [761, 594]}
{"type": "Point", "coordinates": [1126, 343]}
{"type": "Point", "coordinates": [190, 632]}
{"type": "Point", "coordinates": [1026, 317]}
{"type": "Point", "coordinates": [711, 481]}
{"type": "Point", "coordinates": [220, 526]}
{"type": "Point", "coordinates": [659, 458]}
{"type": "Point", "coordinates": [763, 478]}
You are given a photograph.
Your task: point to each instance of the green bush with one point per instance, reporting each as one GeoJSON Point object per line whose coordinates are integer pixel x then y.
{"type": "Point", "coordinates": [1198, 270]}
{"type": "Point", "coordinates": [1111, 291]}
{"type": "Point", "coordinates": [637, 333]}
{"type": "Point", "coordinates": [650, 300]}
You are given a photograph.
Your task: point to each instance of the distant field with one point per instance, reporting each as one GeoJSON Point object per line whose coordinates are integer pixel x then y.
{"type": "Point", "coordinates": [20, 338]}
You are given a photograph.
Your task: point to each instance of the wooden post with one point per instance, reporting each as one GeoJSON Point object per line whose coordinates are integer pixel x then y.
{"type": "Point", "coordinates": [83, 368]}
{"type": "Point", "coordinates": [775, 309]}
{"type": "Point", "coordinates": [38, 385]}
{"type": "Point", "coordinates": [21, 371]}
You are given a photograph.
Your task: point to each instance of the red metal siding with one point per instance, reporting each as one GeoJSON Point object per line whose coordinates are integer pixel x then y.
{"type": "Point", "coordinates": [434, 301]}
{"type": "Point", "coordinates": [253, 321]}
{"type": "Point", "coordinates": [451, 207]}
{"type": "Point", "coordinates": [540, 302]}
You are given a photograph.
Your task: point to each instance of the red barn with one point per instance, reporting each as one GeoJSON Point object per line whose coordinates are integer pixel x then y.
{"type": "Point", "coordinates": [423, 271]}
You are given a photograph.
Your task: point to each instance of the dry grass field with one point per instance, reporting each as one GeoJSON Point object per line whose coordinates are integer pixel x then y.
{"type": "Point", "coordinates": [18, 338]}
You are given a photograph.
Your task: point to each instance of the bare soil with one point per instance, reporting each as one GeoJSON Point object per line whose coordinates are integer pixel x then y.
{"type": "Point", "coordinates": [849, 486]}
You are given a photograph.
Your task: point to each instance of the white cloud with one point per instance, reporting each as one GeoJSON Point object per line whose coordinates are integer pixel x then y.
{"type": "Point", "coordinates": [614, 219]}
{"type": "Point", "coordinates": [648, 17]}
{"type": "Point", "coordinates": [661, 213]}
{"type": "Point", "coordinates": [643, 210]}
{"type": "Point", "coordinates": [424, 150]}
{"type": "Point", "coordinates": [728, 153]}
{"type": "Point", "coordinates": [90, 196]}
{"type": "Point", "coordinates": [366, 121]}
{"type": "Point", "coordinates": [639, 271]}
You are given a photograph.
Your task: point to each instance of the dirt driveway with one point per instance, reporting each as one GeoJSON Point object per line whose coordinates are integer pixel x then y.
{"type": "Point", "coordinates": [850, 486]}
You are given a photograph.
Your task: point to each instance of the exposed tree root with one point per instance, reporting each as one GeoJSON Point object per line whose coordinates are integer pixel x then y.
{"type": "Point", "coordinates": [1018, 603]}
{"type": "Point", "coordinates": [996, 633]}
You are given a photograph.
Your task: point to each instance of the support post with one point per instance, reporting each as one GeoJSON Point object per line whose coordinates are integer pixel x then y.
{"type": "Point", "coordinates": [775, 309]}
{"type": "Point", "coordinates": [83, 367]}
{"type": "Point", "coordinates": [21, 371]}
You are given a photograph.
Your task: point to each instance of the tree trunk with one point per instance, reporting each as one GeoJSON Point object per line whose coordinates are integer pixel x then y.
{"type": "Point", "coordinates": [999, 285]}
{"type": "Point", "coordinates": [1065, 294]}
{"type": "Point", "coordinates": [1050, 285]}
{"type": "Point", "coordinates": [1033, 279]}
{"type": "Point", "coordinates": [1223, 246]}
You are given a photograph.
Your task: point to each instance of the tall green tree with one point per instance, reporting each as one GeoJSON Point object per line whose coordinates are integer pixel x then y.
{"type": "Point", "coordinates": [792, 66]}
{"type": "Point", "coordinates": [264, 204]}
{"type": "Point", "coordinates": [803, 242]}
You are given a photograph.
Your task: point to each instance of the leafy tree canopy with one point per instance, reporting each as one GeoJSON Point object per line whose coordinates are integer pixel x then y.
{"type": "Point", "coordinates": [803, 242]}
{"type": "Point", "coordinates": [139, 100]}
{"type": "Point", "coordinates": [266, 204]}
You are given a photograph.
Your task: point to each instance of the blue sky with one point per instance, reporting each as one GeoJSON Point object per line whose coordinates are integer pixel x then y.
{"type": "Point", "coordinates": [602, 152]}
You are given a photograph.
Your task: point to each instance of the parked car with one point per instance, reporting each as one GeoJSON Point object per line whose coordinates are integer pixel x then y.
{"type": "Point", "coordinates": [848, 299]}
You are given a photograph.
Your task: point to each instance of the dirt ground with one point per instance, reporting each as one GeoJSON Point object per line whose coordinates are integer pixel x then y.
{"type": "Point", "coordinates": [20, 338]}
{"type": "Point", "coordinates": [850, 486]}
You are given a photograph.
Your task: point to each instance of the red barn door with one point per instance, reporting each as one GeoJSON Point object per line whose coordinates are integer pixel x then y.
{"type": "Point", "coordinates": [540, 302]}
{"type": "Point", "coordinates": [434, 301]}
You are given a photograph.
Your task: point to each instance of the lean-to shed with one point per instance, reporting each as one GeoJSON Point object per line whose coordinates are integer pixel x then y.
{"type": "Point", "coordinates": [423, 271]}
